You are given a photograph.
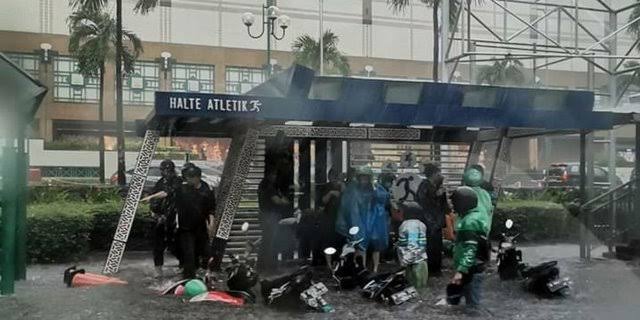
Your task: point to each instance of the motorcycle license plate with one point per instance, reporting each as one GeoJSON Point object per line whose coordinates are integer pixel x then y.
{"type": "Point", "coordinates": [557, 285]}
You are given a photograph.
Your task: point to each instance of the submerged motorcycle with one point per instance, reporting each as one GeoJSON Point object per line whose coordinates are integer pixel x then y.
{"type": "Point", "coordinates": [348, 270]}
{"type": "Point", "coordinates": [289, 290]}
{"type": "Point", "coordinates": [241, 274]}
{"type": "Point", "coordinates": [509, 258]}
{"type": "Point", "coordinates": [542, 280]}
{"type": "Point", "coordinates": [241, 278]}
{"type": "Point", "coordinates": [390, 288]}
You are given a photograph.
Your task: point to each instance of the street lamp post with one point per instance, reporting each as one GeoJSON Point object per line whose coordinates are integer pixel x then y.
{"type": "Point", "coordinates": [271, 18]}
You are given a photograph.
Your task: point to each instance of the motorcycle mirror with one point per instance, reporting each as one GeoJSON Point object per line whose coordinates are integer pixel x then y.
{"type": "Point", "coordinates": [330, 251]}
{"type": "Point", "coordinates": [245, 227]}
{"type": "Point", "coordinates": [354, 230]}
{"type": "Point", "coordinates": [508, 223]}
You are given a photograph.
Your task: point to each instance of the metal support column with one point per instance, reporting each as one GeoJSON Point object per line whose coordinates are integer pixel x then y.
{"type": "Point", "coordinates": [9, 213]}
{"type": "Point", "coordinates": [22, 167]}
{"type": "Point", "coordinates": [583, 194]}
{"type": "Point", "coordinates": [636, 200]}
{"type": "Point", "coordinates": [136, 185]}
{"type": "Point", "coordinates": [613, 94]}
{"type": "Point", "coordinates": [474, 153]}
{"type": "Point", "coordinates": [444, 40]}
{"type": "Point", "coordinates": [497, 156]}
{"type": "Point", "coordinates": [589, 191]}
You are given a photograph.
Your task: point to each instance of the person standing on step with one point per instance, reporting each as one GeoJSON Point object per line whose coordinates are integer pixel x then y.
{"type": "Point", "coordinates": [196, 208]}
{"type": "Point", "coordinates": [163, 208]}
{"type": "Point", "coordinates": [432, 198]}
{"type": "Point", "coordinates": [272, 202]}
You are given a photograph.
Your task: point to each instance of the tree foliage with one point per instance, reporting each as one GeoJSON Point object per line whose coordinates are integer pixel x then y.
{"type": "Point", "coordinates": [509, 72]}
{"type": "Point", "coordinates": [306, 52]}
{"type": "Point", "coordinates": [93, 38]}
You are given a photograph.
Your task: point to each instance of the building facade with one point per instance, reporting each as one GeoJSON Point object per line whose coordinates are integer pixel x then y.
{"type": "Point", "coordinates": [212, 51]}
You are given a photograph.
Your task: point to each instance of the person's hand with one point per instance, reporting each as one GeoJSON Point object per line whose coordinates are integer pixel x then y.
{"type": "Point", "coordinates": [161, 219]}
{"type": "Point", "coordinates": [457, 278]}
{"type": "Point", "coordinates": [335, 193]}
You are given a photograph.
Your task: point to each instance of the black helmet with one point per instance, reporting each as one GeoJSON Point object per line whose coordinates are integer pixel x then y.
{"type": "Point", "coordinates": [430, 168]}
{"type": "Point", "coordinates": [464, 199]}
{"type": "Point", "coordinates": [191, 171]}
{"type": "Point", "coordinates": [167, 165]}
{"type": "Point", "coordinates": [188, 165]}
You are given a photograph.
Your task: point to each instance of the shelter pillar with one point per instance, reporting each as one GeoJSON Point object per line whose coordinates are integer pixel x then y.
{"type": "Point", "coordinates": [304, 173]}
{"type": "Point", "coordinates": [586, 183]}
{"type": "Point", "coordinates": [336, 155]}
{"type": "Point", "coordinates": [138, 179]}
{"type": "Point", "coordinates": [501, 159]}
{"type": "Point", "coordinates": [474, 153]}
{"type": "Point", "coordinates": [236, 169]}
{"type": "Point", "coordinates": [9, 214]}
{"type": "Point", "coordinates": [636, 200]}
{"type": "Point", "coordinates": [320, 178]}
{"type": "Point", "coordinates": [22, 167]}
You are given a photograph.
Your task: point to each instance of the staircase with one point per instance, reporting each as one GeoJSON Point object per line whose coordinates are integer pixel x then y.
{"type": "Point", "coordinates": [248, 207]}
{"type": "Point", "coordinates": [613, 219]}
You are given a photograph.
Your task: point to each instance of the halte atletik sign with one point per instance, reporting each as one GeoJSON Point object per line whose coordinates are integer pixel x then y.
{"type": "Point", "coordinates": [214, 104]}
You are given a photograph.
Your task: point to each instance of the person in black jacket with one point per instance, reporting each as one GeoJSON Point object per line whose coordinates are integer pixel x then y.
{"type": "Point", "coordinates": [195, 203]}
{"type": "Point", "coordinates": [164, 212]}
{"type": "Point", "coordinates": [433, 200]}
{"type": "Point", "coordinates": [273, 204]}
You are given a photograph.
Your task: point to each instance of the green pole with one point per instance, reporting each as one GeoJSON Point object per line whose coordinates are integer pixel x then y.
{"type": "Point", "coordinates": [8, 219]}
{"type": "Point", "coordinates": [21, 208]}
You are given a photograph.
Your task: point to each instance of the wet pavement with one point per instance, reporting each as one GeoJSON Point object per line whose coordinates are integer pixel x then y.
{"type": "Point", "coordinates": [602, 289]}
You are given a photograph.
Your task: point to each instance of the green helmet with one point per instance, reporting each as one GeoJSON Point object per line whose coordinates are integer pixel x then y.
{"type": "Point", "coordinates": [194, 287]}
{"type": "Point", "coordinates": [473, 177]}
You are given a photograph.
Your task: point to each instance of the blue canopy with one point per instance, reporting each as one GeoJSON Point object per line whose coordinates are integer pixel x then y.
{"type": "Point", "coordinates": [298, 95]}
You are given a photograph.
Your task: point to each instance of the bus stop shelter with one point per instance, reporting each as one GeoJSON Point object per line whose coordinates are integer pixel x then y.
{"type": "Point", "coordinates": [297, 103]}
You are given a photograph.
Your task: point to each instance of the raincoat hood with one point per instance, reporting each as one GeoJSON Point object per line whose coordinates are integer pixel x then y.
{"type": "Point", "coordinates": [473, 178]}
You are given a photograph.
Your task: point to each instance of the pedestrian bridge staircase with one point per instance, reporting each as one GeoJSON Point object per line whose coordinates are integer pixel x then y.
{"type": "Point", "coordinates": [248, 207]}
{"type": "Point", "coordinates": [613, 218]}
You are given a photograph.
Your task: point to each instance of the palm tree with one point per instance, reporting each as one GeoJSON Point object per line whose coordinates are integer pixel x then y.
{"type": "Point", "coordinates": [454, 7]}
{"type": "Point", "coordinates": [144, 6]}
{"type": "Point", "coordinates": [92, 43]}
{"type": "Point", "coordinates": [306, 51]}
{"type": "Point", "coordinates": [509, 71]}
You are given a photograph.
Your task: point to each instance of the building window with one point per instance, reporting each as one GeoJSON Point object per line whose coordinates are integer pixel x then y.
{"type": "Point", "coordinates": [69, 85]}
{"type": "Point", "coordinates": [139, 87]}
{"type": "Point", "coordinates": [240, 80]}
{"type": "Point", "coordinates": [29, 62]}
{"type": "Point", "coordinates": [192, 77]}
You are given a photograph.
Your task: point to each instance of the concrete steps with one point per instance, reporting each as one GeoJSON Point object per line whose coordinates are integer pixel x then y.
{"type": "Point", "coordinates": [248, 207]}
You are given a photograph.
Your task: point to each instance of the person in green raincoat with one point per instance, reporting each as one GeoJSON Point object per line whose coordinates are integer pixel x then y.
{"type": "Point", "coordinates": [474, 178]}
{"type": "Point", "coordinates": [470, 252]}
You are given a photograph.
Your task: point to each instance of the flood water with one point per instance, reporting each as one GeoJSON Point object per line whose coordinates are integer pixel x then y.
{"type": "Point", "coordinates": [602, 289]}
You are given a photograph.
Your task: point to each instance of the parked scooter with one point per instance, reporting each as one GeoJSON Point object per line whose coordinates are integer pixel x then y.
{"type": "Point", "coordinates": [348, 271]}
{"type": "Point", "coordinates": [509, 257]}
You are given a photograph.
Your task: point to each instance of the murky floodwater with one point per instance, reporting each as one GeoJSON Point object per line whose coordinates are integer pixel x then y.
{"type": "Point", "coordinates": [603, 289]}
